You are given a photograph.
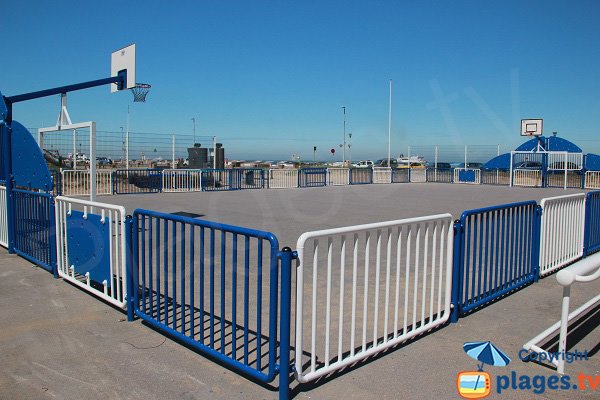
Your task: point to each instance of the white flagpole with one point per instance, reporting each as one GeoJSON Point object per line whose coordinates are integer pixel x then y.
{"type": "Point", "coordinates": [390, 127]}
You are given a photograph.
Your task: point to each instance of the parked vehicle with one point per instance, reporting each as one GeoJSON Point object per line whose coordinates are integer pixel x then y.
{"type": "Point", "coordinates": [363, 164]}
{"type": "Point", "coordinates": [383, 162]}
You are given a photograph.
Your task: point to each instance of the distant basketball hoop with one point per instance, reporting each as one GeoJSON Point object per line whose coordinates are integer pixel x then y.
{"type": "Point", "coordinates": [140, 91]}
{"type": "Point", "coordinates": [531, 127]}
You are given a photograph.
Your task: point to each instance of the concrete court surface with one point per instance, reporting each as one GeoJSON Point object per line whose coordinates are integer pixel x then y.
{"type": "Point", "coordinates": [57, 341]}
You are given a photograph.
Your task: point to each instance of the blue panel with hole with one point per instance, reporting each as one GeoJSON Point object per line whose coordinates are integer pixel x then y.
{"type": "Point", "coordinates": [88, 244]}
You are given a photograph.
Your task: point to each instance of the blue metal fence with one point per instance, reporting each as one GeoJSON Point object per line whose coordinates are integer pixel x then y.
{"type": "Point", "coordinates": [35, 238]}
{"type": "Point", "coordinates": [401, 175]}
{"type": "Point", "coordinates": [496, 251]}
{"type": "Point", "coordinates": [592, 223]}
{"type": "Point", "coordinates": [361, 176]}
{"type": "Point", "coordinates": [127, 181]}
{"type": "Point", "coordinates": [216, 288]}
{"type": "Point", "coordinates": [249, 178]}
{"type": "Point", "coordinates": [312, 177]}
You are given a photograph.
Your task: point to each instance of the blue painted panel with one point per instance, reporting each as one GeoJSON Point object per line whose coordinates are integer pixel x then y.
{"type": "Point", "coordinates": [499, 162]}
{"type": "Point", "coordinates": [3, 108]}
{"type": "Point", "coordinates": [592, 162]}
{"type": "Point", "coordinates": [466, 176]}
{"type": "Point", "coordinates": [28, 164]}
{"type": "Point", "coordinates": [88, 244]}
{"type": "Point", "coordinates": [552, 143]}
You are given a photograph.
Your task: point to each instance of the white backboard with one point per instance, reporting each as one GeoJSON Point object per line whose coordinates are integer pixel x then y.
{"type": "Point", "coordinates": [123, 59]}
{"type": "Point", "coordinates": [531, 127]}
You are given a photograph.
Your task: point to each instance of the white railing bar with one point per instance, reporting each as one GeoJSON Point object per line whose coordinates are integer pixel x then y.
{"type": "Point", "coordinates": [342, 279]}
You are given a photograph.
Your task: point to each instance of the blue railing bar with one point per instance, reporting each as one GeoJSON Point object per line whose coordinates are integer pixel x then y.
{"type": "Point", "coordinates": [273, 285]}
{"type": "Point", "coordinates": [174, 275]}
{"type": "Point", "coordinates": [201, 259]}
{"type": "Point", "coordinates": [165, 302]}
{"type": "Point", "coordinates": [234, 267]}
{"type": "Point", "coordinates": [130, 247]}
{"type": "Point", "coordinates": [120, 79]}
{"type": "Point", "coordinates": [192, 281]}
{"type": "Point", "coordinates": [477, 303]}
{"type": "Point", "coordinates": [259, 305]}
{"type": "Point", "coordinates": [497, 207]}
{"type": "Point", "coordinates": [182, 254]}
{"type": "Point", "coordinates": [134, 276]}
{"type": "Point", "coordinates": [143, 266]}
{"type": "Point", "coordinates": [158, 308]}
{"type": "Point", "coordinates": [222, 294]}
{"type": "Point", "coordinates": [456, 272]}
{"type": "Point", "coordinates": [212, 288]}
{"type": "Point", "coordinates": [246, 294]}
{"type": "Point", "coordinates": [208, 224]}
{"type": "Point", "coordinates": [287, 256]}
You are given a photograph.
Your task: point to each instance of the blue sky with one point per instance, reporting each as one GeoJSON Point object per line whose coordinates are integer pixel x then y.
{"type": "Point", "coordinates": [269, 78]}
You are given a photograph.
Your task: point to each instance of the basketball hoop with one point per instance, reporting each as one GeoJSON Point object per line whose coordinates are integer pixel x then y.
{"type": "Point", "coordinates": [140, 91]}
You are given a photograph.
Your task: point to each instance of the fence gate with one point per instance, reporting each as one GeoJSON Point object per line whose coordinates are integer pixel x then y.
{"type": "Point", "coordinates": [561, 235]}
{"type": "Point", "coordinates": [91, 248]}
{"type": "Point", "coordinates": [182, 180]}
{"type": "Point", "coordinates": [382, 175]}
{"type": "Point", "coordinates": [283, 178]}
{"type": "Point", "coordinates": [338, 176]}
{"type": "Point", "coordinates": [418, 175]}
{"type": "Point", "coordinates": [467, 175]}
{"type": "Point", "coordinates": [215, 287]}
{"type": "Point", "coordinates": [312, 177]}
{"type": "Point", "coordinates": [137, 181]}
{"type": "Point", "coordinates": [363, 289]}
{"type": "Point", "coordinates": [496, 251]}
{"type": "Point", "coordinates": [34, 228]}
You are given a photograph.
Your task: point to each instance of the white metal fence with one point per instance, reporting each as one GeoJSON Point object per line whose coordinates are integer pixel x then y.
{"type": "Point", "coordinates": [369, 287]}
{"type": "Point", "coordinates": [418, 175]}
{"type": "Point", "coordinates": [78, 182]}
{"type": "Point", "coordinates": [3, 218]}
{"type": "Point", "coordinates": [561, 234]}
{"type": "Point", "coordinates": [338, 176]}
{"type": "Point", "coordinates": [114, 289]}
{"type": "Point", "coordinates": [586, 270]}
{"type": "Point", "coordinates": [459, 175]}
{"type": "Point", "coordinates": [182, 180]}
{"type": "Point", "coordinates": [283, 178]}
{"type": "Point", "coordinates": [592, 180]}
{"type": "Point", "coordinates": [382, 175]}
{"type": "Point", "coordinates": [562, 160]}
{"type": "Point", "coordinates": [527, 177]}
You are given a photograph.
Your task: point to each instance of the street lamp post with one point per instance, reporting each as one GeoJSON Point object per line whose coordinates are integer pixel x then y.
{"type": "Point", "coordinates": [350, 149]}
{"type": "Point", "coordinates": [344, 141]}
{"type": "Point", "coordinates": [194, 122]}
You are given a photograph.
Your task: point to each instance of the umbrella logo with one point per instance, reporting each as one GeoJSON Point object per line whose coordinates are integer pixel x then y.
{"type": "Point", "coordinates": [477, 384]}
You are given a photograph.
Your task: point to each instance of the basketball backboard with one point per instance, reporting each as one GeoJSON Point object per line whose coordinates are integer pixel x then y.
{"type": "Point", "coordinates": [123, 59]}
{"type": "Point", "coordinates": [531, 127]}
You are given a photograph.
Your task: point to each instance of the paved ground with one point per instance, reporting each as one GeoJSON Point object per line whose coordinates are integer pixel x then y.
{"type": "Point", "coordinates": [56, 341]}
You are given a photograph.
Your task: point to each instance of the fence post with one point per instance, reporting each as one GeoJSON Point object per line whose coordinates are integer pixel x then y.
{"type": "Point", "coordinates": [287, 256]}
{"type": "Point", "coordinates": [537, 237]}
{"type": "Point", "coordinates": [457, 274]}
{"type": "Point", "coordinates": [52, 235]}
{"type": "Point", "coordinates": [586, 226]}
{"type": "Point", "coordinates": [129, 266]}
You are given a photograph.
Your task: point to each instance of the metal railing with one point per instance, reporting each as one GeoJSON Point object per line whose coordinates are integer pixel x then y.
{"type": "Point", "coordinates": [312, 177]}
{"type": "Point", "coordinates": [3, 218]}
{"type": "Point", "coordinates": [527, 177]}
{"type": "Point", "coordinates": [128, 181]}
{"type": "Point", "coordinates": [444, 175]}
{"type": "Point", "coordinates": [283, 178]}
{"type": "Point", "coordinates": [182, 180]}
{"type": "Point", "coordinates": [592, 222]}
{"type": "Point", "coordinates": [496, 252]}
{"type": "Point", "coordinates": [338, 176]}
{"type": "Point", "coordinates": [586, 270]}
{"type": "Point", "coordinates": [216, 180]}
{"type": "Point", "coordinates": [495, 177]}
{"type": "Point", "coordinates": [91, 248]}
{"type": "Point", "coordinates": [400, 175]}
{"type": "Point", "coordinates": [399, 273]}
{"type": "Point", "coordinates": [34, 228]}
{"type": "Point", "coordinates": [248, 178]}
{"type": "Point", "coordinates": [382, 175]}
{"type": "Point", "coordinates": [592, 179]}
{"type": "Point", "coordinates": [562, 231]}
{"type": "Point", "coordinates": [566, 179]}
{"type": "Point", "coordinates": [214, 287]}
{"type": "Point", "coordinates": [467, 175]}
{"type": "Point", "coordinates": [418, 175]}
{"type": "Point", "coordinates": [361, 176]}
{"type": "Point", "coordinates": [78, 182]}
